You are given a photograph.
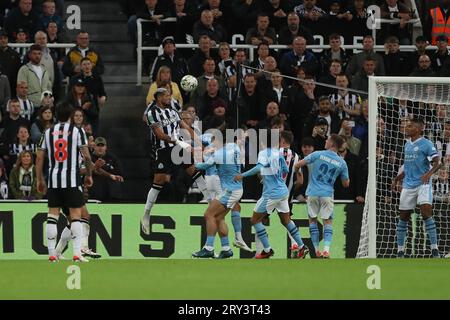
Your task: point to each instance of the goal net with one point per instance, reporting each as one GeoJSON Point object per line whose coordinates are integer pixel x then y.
{"type": "Point", "coordinates": [392, 101]}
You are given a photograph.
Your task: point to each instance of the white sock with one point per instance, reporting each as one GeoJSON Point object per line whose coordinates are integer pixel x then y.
{"type": "Point", "coordinates": [259, 245]}
{"type": "Point", "coordinates": [238, 236]}
{"type": "Point", "coordinates": [209, 248]}
{"type": "Point", "coordinates": [292, 239]}
{"type": "Point", "coordinates": [85, 233]}
{"type": "Point", "coordinates": [52, 233]}
{"type": "Point", "coordinates": [64, 240]}
{"type": "Point", "coordinates": [77, 232]}
{"type": "Point", "coordinates": [401, 248]}
{"type": "Point", "coordinates": [151, 198]}
{"type": "Point", "coordinates": [326, 248]}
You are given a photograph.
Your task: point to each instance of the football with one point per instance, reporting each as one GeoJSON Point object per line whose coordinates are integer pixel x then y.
{"type": "Point", "coordinates": [189, 83]}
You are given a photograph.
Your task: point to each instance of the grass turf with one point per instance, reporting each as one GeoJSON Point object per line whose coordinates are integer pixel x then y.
{"type": "Point", "coordinates": [227, 279]}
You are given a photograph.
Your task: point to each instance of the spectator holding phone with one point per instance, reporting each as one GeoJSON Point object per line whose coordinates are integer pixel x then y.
{"type": "Point", "coordinates": [353, 144]}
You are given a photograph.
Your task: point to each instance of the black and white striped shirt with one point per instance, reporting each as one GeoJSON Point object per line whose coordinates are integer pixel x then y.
{"type": "Point", "coordinates": [167, 119]}
{"type": "Point", "coordinates": [63, 142]}
{"type": "Point", "coordinates": [350, 100]}
{"type": "Point", "coordinates": [291, 160]}
{"type": "Point", "coordinates": [16, 148]}
{"type": "Point", "coordinates": [22, 51]}
{"type": "Point", "coordinates": [231, 71]}
{"type": "Point", "coordinates": [26, 108]}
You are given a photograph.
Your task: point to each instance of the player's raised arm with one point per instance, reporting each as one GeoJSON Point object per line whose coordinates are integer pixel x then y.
{"type": "Point", "coordinates": [300, 164]}
{"type": "Point", "coordinates": [205, 165]}
{"type": "Point", "coordinates": [255, 170]}
{"type": "Point", "coordinates": [159, 133]}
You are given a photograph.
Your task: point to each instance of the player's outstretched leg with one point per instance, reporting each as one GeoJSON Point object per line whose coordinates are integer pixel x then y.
{"type": "Point", "coordinates": [402, 229]}
{"type": "Point", "coordinates": [77, 234]}
{"type": "Point", "coordinates": [315, 236]}
{"type": "Point", "coordinates": [215, 209]}
{"type": "Point", "coordinates": [261, 232]}
{"type": "Point", "coordinates": [66, 235]}
{"type": "Point", "coordinates": [295, 233]}
{"type": "Point", "coordinates": [237, 226]}
{"type": "Point", "coordinates": [52, 233]}
{"type": "Point", "coordinates": [197, 177]}
{"type": "Point", "coordinates": [258, 244]}
{"type": "Point", "coordinates": [86, 228]}
{"type": "Point", "coordinates": [430, 227]}
{"type": "Point", "coordinates": [151, 199]}
{"type": "Point", "coordinates": [294, 246]}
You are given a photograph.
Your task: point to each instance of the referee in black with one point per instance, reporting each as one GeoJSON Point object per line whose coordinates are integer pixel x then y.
{"type": "Point", "coordinates": [63, 144]}
{"type": "Point", "coordinates": [165, 124]}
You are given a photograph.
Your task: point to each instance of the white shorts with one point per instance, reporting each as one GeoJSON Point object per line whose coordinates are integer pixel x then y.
{"type": "Point", "coordinates": [320, 206]}
{"type": "Point", "coordinates": [410, 198]}
{"type": "Point", "coordinates": [265, 205]}
{"type": "Point", "coordinates": [213, 187]}
{"type": "Point", "coordinates": [229, 198]}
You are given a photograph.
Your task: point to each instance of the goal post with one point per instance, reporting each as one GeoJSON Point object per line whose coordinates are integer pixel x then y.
{"type": "Point", "coordinates": [413, 96]}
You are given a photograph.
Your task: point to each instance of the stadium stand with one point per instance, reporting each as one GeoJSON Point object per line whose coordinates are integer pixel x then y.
{"type": "Point", "coordinates": [110, 25]}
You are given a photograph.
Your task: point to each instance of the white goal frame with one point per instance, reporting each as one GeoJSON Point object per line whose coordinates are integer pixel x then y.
{"type": "Point", "coordinates": [373, 115]}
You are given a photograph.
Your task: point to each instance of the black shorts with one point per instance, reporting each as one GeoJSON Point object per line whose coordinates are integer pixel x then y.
{"type": "Point", "coordinates": [163, 162]}
{"type": "Point", "coordinates": [69, 197]}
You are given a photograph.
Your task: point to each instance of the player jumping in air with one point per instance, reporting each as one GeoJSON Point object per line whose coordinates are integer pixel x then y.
{"type": "Point", "coordinates": [227, 159]}
{"type": "Point", "coordinates": [275, 196]}
{"type": "Point", "coordinates": [165, 124]}
{"type": "Point", "coordinates": [214, 187]}
{"type": "Point", "coordinates": [416, 186]}
{"type": "Point", "coordinates": [325, 166]}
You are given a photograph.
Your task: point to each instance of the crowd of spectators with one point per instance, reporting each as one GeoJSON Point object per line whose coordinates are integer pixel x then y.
{"type": "Point", "coordinates": [34, 79]}
{"type": "Point", "coordinates": [31, 79]}
{"type": "Point", "coordinates": [266, 98]}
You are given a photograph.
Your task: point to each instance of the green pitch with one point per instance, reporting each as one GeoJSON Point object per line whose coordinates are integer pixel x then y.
{"type": "Point", "coordinates": [230, 279]}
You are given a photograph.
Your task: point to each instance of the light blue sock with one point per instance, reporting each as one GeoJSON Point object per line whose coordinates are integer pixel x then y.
{"type": "Point", "coordinates": [225, 243]}
{"type": "Point", "coordinates": [402, 227]}
{"type": "Point", "coordinates": [295, 233]}
{"type": "Point", "coordinates": [327, 236]}
{"type": "Point", "coordinates": [209, 245]}
{"type": "Point", "coordinates": [430, 226]}
{"type": "Point", "coordinates": [314, 233]}
{"type": "Point", "coordinates": [236, 220]}
{"type": "Point", "coordinates": [262, 235]}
